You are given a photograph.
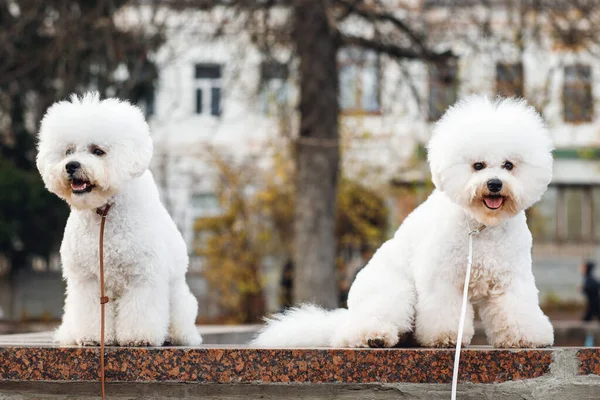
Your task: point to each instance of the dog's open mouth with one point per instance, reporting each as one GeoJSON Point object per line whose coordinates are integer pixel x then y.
{"type": "Point", "coordinates": [493, 202]}
{"type": "Point", "coordinates": [80, 186]}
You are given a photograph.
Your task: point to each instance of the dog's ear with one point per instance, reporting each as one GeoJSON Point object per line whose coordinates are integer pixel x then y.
{"type": "Point", "coordinates": [434, 165]}
{"type": "Point", "coordinates": [130, 137]}
{"type": "Point", "coordinates": [137, 157]}
{"type": "Point", "coordinates": [435, 178]}
{"type": "Point", "coordinates": [41, 158]}
{"type": "Point", "coordinates": [42, 161]}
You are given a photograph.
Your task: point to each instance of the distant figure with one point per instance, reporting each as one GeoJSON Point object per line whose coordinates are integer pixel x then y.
{"type": "Point", "coordinates": [591, 289]}
{"type": "Point", "coordinates": [286, 285]}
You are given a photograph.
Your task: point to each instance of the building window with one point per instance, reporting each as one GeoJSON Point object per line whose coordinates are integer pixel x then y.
{"type": "Point", "coordinates": [509, 80]}
{"type": "Point", "coordinates": [359, 77]}
{"type": "Point", "coordinates": [567, 213]}
{"type": "Point", "coordinates": [208, 89]}
{"type": "Point", "coordinates": [274, 92]}
{"type": "Point", "coordinates": [205, 205]}
{"type": "Point", "coordinates": [577, 94]}
{"type": "Point", "coordinates": [443, 87]}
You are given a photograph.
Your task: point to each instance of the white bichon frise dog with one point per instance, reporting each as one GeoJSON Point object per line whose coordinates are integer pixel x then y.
{"type": "Point", "coordinates": [92, 153]}
{"type": "Point", "coordinates": [490, 160]}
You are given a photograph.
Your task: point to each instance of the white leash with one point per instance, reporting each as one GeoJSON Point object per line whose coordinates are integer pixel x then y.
{"type": "Point", "coordinates": [463, 310]}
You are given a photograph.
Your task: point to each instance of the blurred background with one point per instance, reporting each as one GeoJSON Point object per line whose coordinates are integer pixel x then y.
{"type": "Point", "coordinates": [290, 134]}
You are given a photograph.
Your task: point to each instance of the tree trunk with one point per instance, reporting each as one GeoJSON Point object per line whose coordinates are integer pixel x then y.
{"type": "Point", "coordinates": [317, 156]}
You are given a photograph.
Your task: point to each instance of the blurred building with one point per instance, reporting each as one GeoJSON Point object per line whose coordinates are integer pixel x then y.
{"type": "Point", "coordinates": [220, 91]}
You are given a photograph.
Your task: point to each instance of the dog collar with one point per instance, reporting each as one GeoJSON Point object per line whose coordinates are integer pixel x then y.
{"type": "Point", "coordinates": [103, 211]}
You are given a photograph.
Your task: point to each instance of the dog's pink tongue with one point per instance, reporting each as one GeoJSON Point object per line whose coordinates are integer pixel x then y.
{"type": "Point", "coordinates": [493, 202]}
{"type": "Point", "coordinates": [78, 186]}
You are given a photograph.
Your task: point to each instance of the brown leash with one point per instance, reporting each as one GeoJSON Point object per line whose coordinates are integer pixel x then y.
{"type": "Point", "coordinates": [103, 299]}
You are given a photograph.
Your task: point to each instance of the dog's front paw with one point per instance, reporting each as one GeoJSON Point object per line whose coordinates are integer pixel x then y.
{"type": "Point", "coordinates": [428, 337]}
{"type": "Point", "coordinates": [65, 337]}
{"type": "Point", "coordinates": [137, 343]}
{"type": "Point", "coordinates": [520, 343]}
{"type": "Point", "coordinates": [367, 332]}
{"type": "Point", "coordinates": [140, 343]}
{"type": "Point", "coordinates": [432, 335]}
{"type": "Point", "coordinates": [534, 330]}
{"type": "Point", "coordinates": [141, 340]}
{"type": "Point", "coordinates": [192, 339]}
{"type": "Point", "coordinates": [82, 341]}
{"type": "Point", "coordinates": [534, 337]}
{"type": "Point", "coordinates": [87, 342]}
{"type": "Point", "coordinates": [441, 340]}
{"type": "Point", "coordinates": [94, 341]}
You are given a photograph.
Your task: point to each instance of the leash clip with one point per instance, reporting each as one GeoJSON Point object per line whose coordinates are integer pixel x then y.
{"type": "Point", "coordinates": [476, 230]}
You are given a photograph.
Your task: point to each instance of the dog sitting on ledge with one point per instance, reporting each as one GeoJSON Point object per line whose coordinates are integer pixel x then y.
{"type": "Point", "coordinates": [490, 160]}
{"type": "Point", "coordinates": [93, 153]}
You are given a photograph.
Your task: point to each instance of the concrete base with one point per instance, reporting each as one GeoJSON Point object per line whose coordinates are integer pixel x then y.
{"type": "Point", "coordinates": [546, 388]}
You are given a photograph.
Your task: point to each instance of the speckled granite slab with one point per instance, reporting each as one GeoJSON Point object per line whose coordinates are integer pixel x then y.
{"type": "Point", "coordinates": [33, 358]}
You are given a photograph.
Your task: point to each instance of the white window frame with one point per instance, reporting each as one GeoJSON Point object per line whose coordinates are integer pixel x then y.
{"type": "Point", "coordinates": [206, 85]}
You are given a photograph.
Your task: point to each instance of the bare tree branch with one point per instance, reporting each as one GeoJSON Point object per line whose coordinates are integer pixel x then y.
{"type": "Point", "coordinates": [358, 8]}
{"type": "Point", "coordinates": [392, 50]}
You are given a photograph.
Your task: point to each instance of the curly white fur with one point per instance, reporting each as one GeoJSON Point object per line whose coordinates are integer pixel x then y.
{"type": "Point", "coordinates": [145, 257]}
{"type": "Point", "coordinates": [414, 281]}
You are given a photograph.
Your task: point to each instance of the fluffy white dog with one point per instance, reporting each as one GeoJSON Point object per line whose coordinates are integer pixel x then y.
{"type": "Point", "coordinates": [490, 160]}
{"type": "Point", "coordinates": [92, 153]}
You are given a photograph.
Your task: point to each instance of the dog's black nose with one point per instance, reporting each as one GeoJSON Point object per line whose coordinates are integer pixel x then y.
{"type": "Point", "coordinates": [495, 185]}
{"type": "Point", "coordinates": [72, 166]}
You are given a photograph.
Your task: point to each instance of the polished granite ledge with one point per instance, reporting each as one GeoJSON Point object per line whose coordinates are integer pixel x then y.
{"type": "Point", "coordinates": [589, 361]}
{"type": "Point", "coordinates": [247, 365]}
{"type": "Point", "coordinates": [34, 358]}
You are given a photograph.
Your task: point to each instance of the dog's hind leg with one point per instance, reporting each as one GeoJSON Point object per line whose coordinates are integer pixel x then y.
{"type": "Point", "coordinates": [438, 313]}
{"type": "Point", "coordinates": [184, 308]}
{"type": "Point", "coordinates": [380, 303]}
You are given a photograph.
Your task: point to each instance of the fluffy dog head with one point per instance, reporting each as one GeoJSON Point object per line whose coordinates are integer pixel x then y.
{"type": "Point", "coordinates": [89, 149]}
{"type": "Point", "coordinates": [492, 157]}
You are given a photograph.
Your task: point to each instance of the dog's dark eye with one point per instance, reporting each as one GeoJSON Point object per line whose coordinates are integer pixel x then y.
{"type": "Point", "coordinates": [69, 152]}
{"type": "Point", "coordinates": [508, 165]}
{"type": "Point", "coordinates": [98, 152]}
{"type": "Point", "coordinates": [478, 166]}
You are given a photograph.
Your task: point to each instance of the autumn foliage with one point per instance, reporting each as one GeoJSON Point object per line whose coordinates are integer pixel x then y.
{"type": "Point", "coordinates": [255, 228]}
